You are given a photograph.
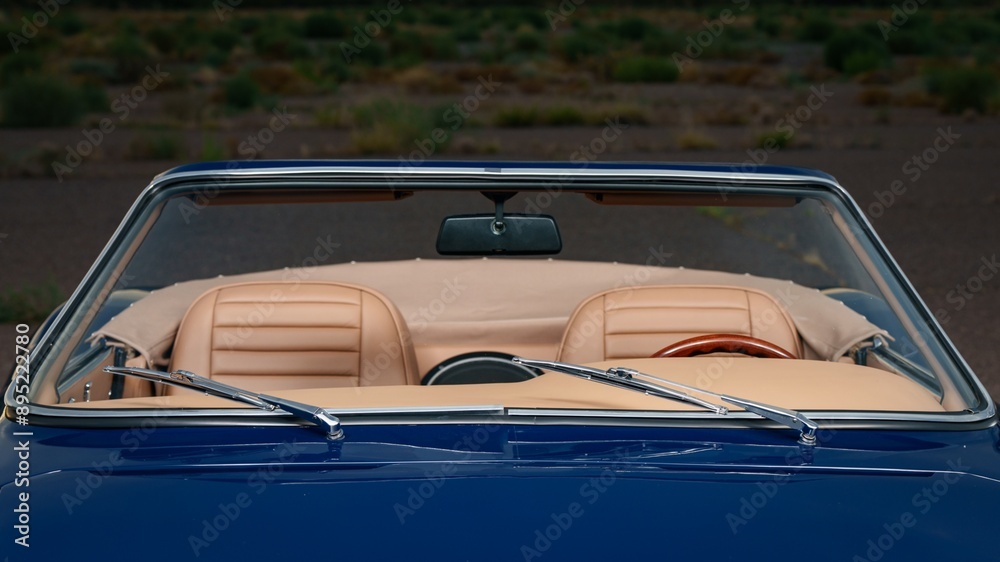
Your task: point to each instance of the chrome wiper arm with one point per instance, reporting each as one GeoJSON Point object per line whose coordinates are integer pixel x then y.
{"type": "Point", "coordinates": [795, 420]}
{"type": "Point", "coordinates": [315, 415]}
{"type": "Point", "coordinates": [630, 378]}
{"type": "Point", "coordinates": [622, 378]}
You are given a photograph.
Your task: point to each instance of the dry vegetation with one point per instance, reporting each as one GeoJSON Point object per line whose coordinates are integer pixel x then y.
{"type": "Point", "coordinates": [396, 86]}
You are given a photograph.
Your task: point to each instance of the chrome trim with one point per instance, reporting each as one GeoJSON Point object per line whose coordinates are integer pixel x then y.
{"type": "Point", "coordinates": [64, 412]}
{"type": "Point", "coordinates": [499, 410]}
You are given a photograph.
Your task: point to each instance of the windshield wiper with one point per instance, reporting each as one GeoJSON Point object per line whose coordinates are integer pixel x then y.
{"type": "Point", "coordinates": [315, 415]}
{"type": "Point", "coordinates": [631, 379]}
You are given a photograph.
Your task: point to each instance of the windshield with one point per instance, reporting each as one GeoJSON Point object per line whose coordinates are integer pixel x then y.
{"type": "Point", "coordinates": [274, 287]}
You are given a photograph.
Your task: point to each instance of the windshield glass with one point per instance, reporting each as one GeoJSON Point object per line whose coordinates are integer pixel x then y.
{"type": "Point", "coordinates": [791, 269]}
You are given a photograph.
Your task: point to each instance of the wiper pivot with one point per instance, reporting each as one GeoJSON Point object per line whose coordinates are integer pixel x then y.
{"type": "Point", "coordinates": [315, 415]}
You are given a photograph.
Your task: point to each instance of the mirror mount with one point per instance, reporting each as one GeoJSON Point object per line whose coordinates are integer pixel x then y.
{"type": "Point", "coordinates": [499, 198]}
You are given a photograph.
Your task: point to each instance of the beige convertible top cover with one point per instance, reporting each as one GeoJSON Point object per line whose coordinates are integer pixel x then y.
{"type": "Point", "coordinates": [493, 301]}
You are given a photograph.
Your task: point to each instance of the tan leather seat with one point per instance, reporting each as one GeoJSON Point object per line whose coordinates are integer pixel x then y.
{"type": "Point", "coordinates": [638, 321]}
{"type": "Point", "coordinates": [271, 336]}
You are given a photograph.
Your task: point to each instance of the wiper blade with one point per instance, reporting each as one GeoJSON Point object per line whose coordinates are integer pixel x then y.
{"type": "Point", "coordinates": [622, 378]}
{"type": "Point", "coordinates": [315, 415]}
{"type": "Point", "coordinates": [632, 379]}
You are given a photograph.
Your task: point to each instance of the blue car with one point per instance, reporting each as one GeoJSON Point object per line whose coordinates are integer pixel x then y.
{"type": "Point", "coordinates": [360, 360]}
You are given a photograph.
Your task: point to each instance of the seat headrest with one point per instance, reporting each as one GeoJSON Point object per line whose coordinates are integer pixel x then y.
{"type": "Point", "coordinates": [638, 321]}
{"type": "Point", "coordinates": [273, 336]}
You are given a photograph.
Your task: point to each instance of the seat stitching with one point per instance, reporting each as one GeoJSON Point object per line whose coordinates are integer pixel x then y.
{"type": "Point", "coordinates": [361, 332]}
{"type": "Point", "coordinates": [746, 297]}
{"type": "Point", "coordinates": [211, 337]}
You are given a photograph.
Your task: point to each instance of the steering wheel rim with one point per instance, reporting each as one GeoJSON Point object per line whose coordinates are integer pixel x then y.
{"type": "Point", "coordinates": [726, 343]}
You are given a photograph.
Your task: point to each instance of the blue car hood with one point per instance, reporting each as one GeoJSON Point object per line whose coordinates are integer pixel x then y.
{"type": "Point", "coordinates": [505, 492]}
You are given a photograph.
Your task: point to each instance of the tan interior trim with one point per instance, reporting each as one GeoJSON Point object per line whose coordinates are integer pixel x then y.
{"type": "Point", "coordinates": [801, 385]}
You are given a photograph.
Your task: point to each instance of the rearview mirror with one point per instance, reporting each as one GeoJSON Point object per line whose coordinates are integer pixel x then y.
{"type": "Point", "coordinates": [484, 235]}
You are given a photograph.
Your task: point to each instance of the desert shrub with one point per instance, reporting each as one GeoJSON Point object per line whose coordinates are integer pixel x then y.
{"type": "Point", "coordinates": [374, 54]}
{"type": "Point", "coordinates": [562, 116]}
{"type": "Point", "coordinates": [68, 23]}
{"type": "Point", "coordinates": [772, 140]}
{"type": "Point", "coordinates": [634, 28]}
{"type": "Point", "coordinates": [864, 61]}
{"type": "Point", "coordinates": [405, 40]}
{"type": "Point", "coordinates": [30, 304]}
{"type": "Point", "coordinates": [768, 24]}
{"type": "Point", "coordinates": [727, 47]}
{"type": "Point", "coordinates": [816, 28]}
{"type": "Point", "coordinates": [130, 56]}
{"type": "Point", "coordinates": [280, 44]}
{"type": "Point", "coordinates": [853, 51]}
{"type": "Point", "coordinates": [224, 39]}
{"type": "Point", "coordinates": [441, 46]}
{"type": "Point", "coordinates": [627, 114]}
{"type": "Point", "coordinates": [211, 150]}
{"type": "Point", "coordinates": [695, 140]}
{"type": "Point", "coordinates": [663, 44]}
{"type": "Point", "coordinates": [384, 126]}
{"type": "Point", "coordinates": [21, 64]}
{"type": "Point", "coordinates": [965, 31]}
{"type": "Point", "coordinates": [962, 88]}
{"type": "Point", "coordinates": [466, 33]}
{"type": "Point", "coordinates": [247, 24]}
{"type": "Point", "coordinates": [444, 17]}
{"type": "Point", "coordinates": [277, 78]}
{"type": "Point", "coordinates": [241, 92]}
{"type": "Point", "coordinates": [96, 70]}
{"type": "Point", "coordinates": [527, 40]}
{"type": "Point", "coordinates": [94, 97]}
{"type": "Point", "coordinates": [215, 58]}
{"type": "Point", "coordinates": [516, 116]}
{"type": "Point", "coordinates": [155, 146]}
{"type": "Point", "coordinates": [579, 45]}
{"type": "Point", "coordinates": [163, 38]}
{"type": "Point", "coordinates": [645, 69]}
{"type": "Point", "coordinates": [41, 101]}
{"type": "Point", "coordinates": [324, 25]}
{"type": "Point", "coordinates": [513, 18]}
{"type": "Point", "coordinates": [423, 80]}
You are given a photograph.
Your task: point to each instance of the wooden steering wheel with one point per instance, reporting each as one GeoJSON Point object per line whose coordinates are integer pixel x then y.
{"type": "Point", "coordinates": [728, 343]}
